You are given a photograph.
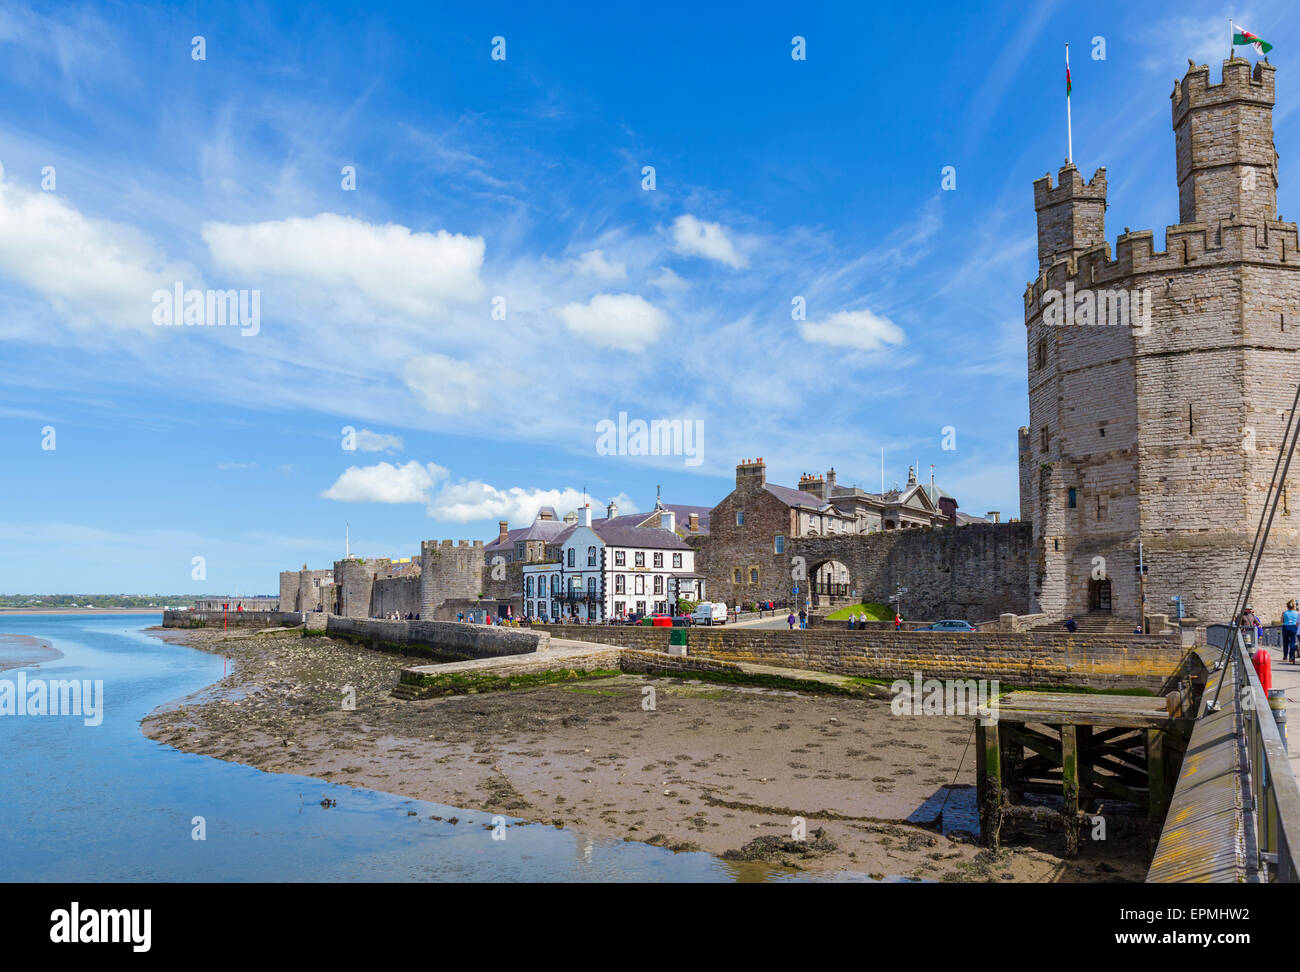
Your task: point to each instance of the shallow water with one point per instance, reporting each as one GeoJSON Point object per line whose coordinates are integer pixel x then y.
{"type": "Point", "coordinates": [105, 803]}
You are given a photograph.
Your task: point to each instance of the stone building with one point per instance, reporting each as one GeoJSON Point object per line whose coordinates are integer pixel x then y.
{"type": "Point", "coordinates": [1160, 380]}
{"type": "Point", "coordinates": [746, 557]}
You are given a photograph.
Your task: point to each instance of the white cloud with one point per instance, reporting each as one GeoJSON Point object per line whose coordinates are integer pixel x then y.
{"type": "Point", "coordinates": [468, 501]}
{"type": "Point", "coordinates": [593, 264]}
{"type": "Point", "coordinates": [623, 321]}
{"type": "Point", "coordinates": [668, 281]}
{"type": "Point", "coordinates": [367, 441]}
{"type": "Point", "coordinates": [443, 385]}
{"type": "Point", "coordinates": [94, 273]}
{"type": "Point", "coordinates": [695, 237]}
{"type": "Point", "coordinates": [410, 273]}
{"type": "Point", "coordinates": [386, 483]}
{"type": "Point", "coordinates": [861, 330]}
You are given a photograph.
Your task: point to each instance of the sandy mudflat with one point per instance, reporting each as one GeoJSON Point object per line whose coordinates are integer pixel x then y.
{"type": "Point", "coordinates": [19, 651]}
{"type": "Point", "coordinates": [712, 768]}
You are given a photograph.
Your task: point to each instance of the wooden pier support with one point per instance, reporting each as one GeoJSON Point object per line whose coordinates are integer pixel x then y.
{"type": "Point", "coordinates": [1085, 748]}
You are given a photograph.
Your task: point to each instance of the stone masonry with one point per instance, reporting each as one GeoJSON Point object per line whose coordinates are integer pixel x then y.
{"type": "Point", "coordinates": [1165, 434]}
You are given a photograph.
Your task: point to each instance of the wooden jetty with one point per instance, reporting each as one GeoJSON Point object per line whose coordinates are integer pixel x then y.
{"type": "Point", "coordinates": [1085, 747]}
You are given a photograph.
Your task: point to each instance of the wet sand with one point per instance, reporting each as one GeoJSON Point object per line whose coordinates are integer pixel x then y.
{"type": "Point", "coordinates": [19, 651]}
{"type": "Point", "coordinates": [718, 768]}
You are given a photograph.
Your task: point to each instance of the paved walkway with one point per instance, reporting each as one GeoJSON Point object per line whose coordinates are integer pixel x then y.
{"type": "Point", "coordinates": [1287, 676]}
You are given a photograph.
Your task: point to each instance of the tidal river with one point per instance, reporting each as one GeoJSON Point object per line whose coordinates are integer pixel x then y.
{"type": "Point", "coordinates": [89, 798]}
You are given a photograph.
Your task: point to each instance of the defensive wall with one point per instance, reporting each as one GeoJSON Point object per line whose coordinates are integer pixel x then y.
{"type": "Point", "coordinates": [975, 572]}
{"type": "Point", "coordinates": [232, 619]}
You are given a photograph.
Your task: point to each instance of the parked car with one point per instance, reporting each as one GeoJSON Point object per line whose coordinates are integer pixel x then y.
{"type": "Point", "coordinates": [714, 612]}
{"type": "Point", "coordinates": [949, 626]}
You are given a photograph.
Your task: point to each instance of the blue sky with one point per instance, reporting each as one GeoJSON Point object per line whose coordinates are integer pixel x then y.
{"type": "Point", "coordinates": [522, 178]}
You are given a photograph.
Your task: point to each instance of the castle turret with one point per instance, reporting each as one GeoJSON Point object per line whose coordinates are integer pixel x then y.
{"type": "Point", "coordinates": [1227, 165]}
{"type": "Point", "coordinates": [1071, 217]}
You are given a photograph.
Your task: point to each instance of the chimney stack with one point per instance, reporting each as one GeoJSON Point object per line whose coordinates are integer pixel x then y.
{"type": "Point", "coordinates": [584, 515]}
{"type": "Point", "coordinates": [994, 515]}
{"type": "Point", "coordinates": [694, 520]}
{"type": "Point", "coordinates": [611, 511]}
{"type": "Point", "coordinates": [504, 527]}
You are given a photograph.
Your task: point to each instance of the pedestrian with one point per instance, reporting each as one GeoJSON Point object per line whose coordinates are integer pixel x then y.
{"type": "Point", "coordinates": [1071, 625]}
{"type": "Point", "coordinates": [790, 620]}
{"type": "Point", "coordinates": [1290, 618]}
{"type": "Point", "coordinates": [898, 621]}
{"type": "Point", "coordinates": [1249, 625]}
{"type": "Point", "coordinates": [853, 621]}
{"type": "Point", "coordinates": [803, 618]}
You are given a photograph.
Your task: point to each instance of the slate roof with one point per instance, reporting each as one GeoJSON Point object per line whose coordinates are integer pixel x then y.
{"type": "Point", "coordinates": [797, 497]}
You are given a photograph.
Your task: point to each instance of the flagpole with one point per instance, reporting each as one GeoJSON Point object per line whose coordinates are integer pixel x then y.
{"type": "Point", "coordinates": [1069, 124]}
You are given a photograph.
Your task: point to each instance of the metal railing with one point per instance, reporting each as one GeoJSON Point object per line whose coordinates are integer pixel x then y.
{"type": "Point", "coordinates": [1271, 796]}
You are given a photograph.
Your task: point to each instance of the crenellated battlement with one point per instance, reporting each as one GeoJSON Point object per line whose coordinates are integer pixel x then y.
{"type": "Point", "coordinates": [1188, 247]}
{"type": "Point", "coordinates": [1239, 84]}
{"type": "Point", "coordinates": [1069, 187]}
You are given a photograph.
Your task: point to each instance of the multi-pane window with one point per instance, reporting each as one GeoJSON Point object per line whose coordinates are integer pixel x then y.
{"type": "Point", "coordinates": [659, 560]}
{"type": "Point", "coordinates": [778, 544]}
{"type": "Point", "coordinates": [677, 560]}
{"type": "Point", "coordinates": [620, 558]}
{"type": "Point", "coordinates": [620, 584]}
{"type": "Point", "coordinates": [740, 517]}
{"type": "Point", "coordinates": [572, 553]}
{"type": "Point", "coordinates": [541, 585]}
{"type": "Point", "coordinates": [735, 575]}
{"type": "Point", "coordinates": [591, 556]}
{"type": "Point", "coordinates": [659, 583]}
{"type": "Point", "coordinates": [640, 558]}
{"type": "Point", "coordinates": [753, 575]}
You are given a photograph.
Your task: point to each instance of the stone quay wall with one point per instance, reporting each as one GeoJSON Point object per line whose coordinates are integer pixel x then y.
{"type": "Point", "coordinates": [440, 639]}
{"type": "Point", "coordinates": [233, 619]}
{"type": "Point", "coordinates": [1122, 661]}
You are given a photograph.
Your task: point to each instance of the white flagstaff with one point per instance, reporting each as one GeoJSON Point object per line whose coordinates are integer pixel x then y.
{"type": "Point", "coordinates": [1069, 125]}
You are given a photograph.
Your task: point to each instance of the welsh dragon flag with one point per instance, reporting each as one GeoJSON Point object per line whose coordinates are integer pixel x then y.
{"type": "Point", "coordinates": [1241, 37]}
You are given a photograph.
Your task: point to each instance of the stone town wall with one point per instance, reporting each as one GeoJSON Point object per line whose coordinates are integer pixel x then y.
{"type": "Point", "coordinates": [400, 594]}
{"type": "Point", "coordinates": [449, 572]}
{"type": "Point", "coordinates": [1013, 659]}
{"type": "Point", "coordinates": [233, 619]}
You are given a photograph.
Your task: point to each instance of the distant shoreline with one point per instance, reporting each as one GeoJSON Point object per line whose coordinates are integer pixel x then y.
{"type": "Point", "coordinates": [106, 610]}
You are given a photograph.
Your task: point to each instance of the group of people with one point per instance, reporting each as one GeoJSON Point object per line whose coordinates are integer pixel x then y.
{"type": "Point", "coordinates": [802, 619]}
{"type": "Point", "coordinates": [399, 616]}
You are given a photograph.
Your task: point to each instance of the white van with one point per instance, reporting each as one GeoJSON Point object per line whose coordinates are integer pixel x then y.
{"type": "Point", "coordinates": [710, 613]}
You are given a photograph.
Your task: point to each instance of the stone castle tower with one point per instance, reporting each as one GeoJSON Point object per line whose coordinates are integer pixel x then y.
{"type": "Point", "coordinates": [1160, 381]}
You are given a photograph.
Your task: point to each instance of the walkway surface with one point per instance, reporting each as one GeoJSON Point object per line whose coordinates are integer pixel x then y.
{"type": "Point", "coordinates": [1287, 676]}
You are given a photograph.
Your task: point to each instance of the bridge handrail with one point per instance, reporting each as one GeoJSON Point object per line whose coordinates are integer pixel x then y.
{"type": "Point", "coordinates": [1271, 784]}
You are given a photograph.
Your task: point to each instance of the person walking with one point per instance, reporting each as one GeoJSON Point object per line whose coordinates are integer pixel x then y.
{"type": "Point", "coordinates": [790, 620]}
{"type": "Point", "coordinates": [803, 618]}
{"type": "Point", "coordinates": [898, 621]}
{"type": "Point", "coordinates": [1290, 619]}
{"type": "Point", "coordinates": [1249, 625]}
